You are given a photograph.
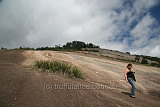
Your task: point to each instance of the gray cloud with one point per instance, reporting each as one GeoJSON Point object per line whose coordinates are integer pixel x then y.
{"type": "Point", "coordinates": [37, 23]}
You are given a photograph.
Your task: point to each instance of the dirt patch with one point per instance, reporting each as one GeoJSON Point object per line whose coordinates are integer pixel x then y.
{"type": "Point", "coordinates": [155, 93]}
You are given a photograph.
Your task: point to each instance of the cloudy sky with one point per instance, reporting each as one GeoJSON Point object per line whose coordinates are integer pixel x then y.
{"type": "Point", "coordinates": [124, 25]}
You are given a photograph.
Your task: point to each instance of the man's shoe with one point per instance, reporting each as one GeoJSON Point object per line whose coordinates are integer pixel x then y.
{"type": "Point", "coordinates": [133, 96]}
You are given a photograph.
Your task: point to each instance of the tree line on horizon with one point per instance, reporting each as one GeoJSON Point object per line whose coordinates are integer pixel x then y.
{"type": "Point", "coordinates": [74, 45]}
{"type": "Point", "coordinates": [144, 60]}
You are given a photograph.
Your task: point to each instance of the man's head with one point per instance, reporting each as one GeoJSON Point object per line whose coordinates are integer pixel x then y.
{"type": "Point", "coordinates": [129, 66]}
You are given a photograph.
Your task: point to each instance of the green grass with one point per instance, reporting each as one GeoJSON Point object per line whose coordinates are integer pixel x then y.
{"type": "Point", "coordinates": [60, 68]}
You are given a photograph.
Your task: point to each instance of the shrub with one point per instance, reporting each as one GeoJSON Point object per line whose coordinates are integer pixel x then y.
{"type": "Point", "coordinates": [144, 61]}
{"type": "Point", "coordinates": [155, 64]}
{"type": "Point", "coordinates": [137, 58]}
{"type": "Point", "coordinates": [77, 73]}
{"type": "Point", "coordinates": [59, 67]}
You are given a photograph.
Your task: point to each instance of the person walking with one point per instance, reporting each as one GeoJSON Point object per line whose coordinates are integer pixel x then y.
{"type": "Point", "coordinates": [130, 78]}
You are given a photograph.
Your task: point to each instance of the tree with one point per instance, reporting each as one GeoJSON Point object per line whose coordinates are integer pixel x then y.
{"type": "Point", "coordinates": [90, 45]}
{"type": "Point", "coordinates": [76, 45]}
{"type": "Point", "coordinates": [20, 47]}
{"type": "Point", "coordinates": [128, 53]}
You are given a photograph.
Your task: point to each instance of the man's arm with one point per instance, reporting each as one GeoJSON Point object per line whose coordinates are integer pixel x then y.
{"type": "Point", "coordinates": [125, 74]}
